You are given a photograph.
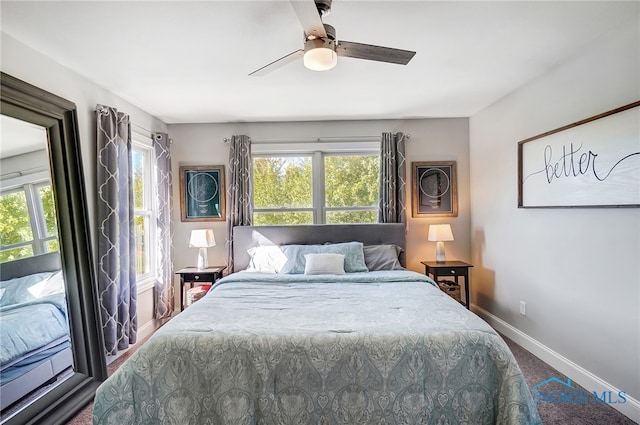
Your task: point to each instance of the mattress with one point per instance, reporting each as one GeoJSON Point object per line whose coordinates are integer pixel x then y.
{"type": "Point", "coordinates": [375, 347]}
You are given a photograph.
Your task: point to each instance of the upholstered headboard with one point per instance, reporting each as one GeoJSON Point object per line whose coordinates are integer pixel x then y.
{"type": "Point", "coordinates": [25, 266]}
{"type": "Point", "coordinates": [245, 237]}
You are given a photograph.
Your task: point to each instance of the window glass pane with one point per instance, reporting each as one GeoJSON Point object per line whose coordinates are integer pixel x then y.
{"type": "Point", "coordinates": [53, 246]}
{"type": "Point", "coordinates": [15, 226]}
{"type": "Point", "coordinates": [348, 217]}
{"type": "Point", "coordinates": [282, 182]}
{"type": "Point", "coordinates": [138, 179]}
{"type": "Point", "coordinates": [141, 245]}
{"type": "Point", "coordinates": [351, 181]}
{"type": "Point", "coordinates": [266, 218]}
{"type": "Point", "coordinates": [16, 253]}
{"type": "Point", "coordinates": [49, 209]}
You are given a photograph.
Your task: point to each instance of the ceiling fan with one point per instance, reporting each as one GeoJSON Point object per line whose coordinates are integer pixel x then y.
{"type": "Point", "coordinates": [321, 48]}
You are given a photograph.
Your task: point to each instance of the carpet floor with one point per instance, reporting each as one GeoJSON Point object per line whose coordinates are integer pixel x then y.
{"type": "Point", "coordinates": [535, 371]}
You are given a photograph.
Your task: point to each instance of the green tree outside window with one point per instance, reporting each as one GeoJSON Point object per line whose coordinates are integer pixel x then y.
{"type": "Point", "coordinates": [286, 184]}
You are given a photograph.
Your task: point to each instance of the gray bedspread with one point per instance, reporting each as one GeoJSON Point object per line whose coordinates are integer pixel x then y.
{"type": "Point", "coordinates": [363, 348]}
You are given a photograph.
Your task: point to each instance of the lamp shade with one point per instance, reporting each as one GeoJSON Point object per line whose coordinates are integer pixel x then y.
{"type": "Point", "coordinates": [440, 232]}
{"type": "Point", "coordinates": [202, 238]}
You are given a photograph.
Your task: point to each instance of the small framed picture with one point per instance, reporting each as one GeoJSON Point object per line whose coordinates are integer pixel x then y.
{"type": "Point", "coordinates": [202, 193]}
{"type": "Point", "coordinates": [434, 190]}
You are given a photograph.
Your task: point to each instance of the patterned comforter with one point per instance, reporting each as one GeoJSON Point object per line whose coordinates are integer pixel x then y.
{"type": "Point", "coordinates": [362, 348]}
{"type": "Point", "coordinates": [20, 334]}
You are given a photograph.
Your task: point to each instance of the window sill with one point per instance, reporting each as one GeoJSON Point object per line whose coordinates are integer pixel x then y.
{"type": "Point", "coordinates": [146, 284]}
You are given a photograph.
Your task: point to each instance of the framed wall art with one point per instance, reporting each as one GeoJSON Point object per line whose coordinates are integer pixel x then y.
{"type": "Point", "coordinates": [434, 190]}
{"type": "Point", "coordinates": [202, 193]}
{"type": "Point", "coordinates": [594, 162]}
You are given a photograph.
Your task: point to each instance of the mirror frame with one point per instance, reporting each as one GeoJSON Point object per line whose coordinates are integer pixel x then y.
{"type": "Point", "coordinates": [26, 102]}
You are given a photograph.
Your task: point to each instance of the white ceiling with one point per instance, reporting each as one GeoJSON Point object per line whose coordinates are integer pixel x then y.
{"type": "Point", "coordinates": [187, 62]}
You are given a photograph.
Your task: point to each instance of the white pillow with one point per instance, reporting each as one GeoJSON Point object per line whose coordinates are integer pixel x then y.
{"type": "Point", "coordinates": [52, 285]}
{"type": "Point", "coordinates": [324, 264]}
{"type": "Point", "coordinates": [266, 259]}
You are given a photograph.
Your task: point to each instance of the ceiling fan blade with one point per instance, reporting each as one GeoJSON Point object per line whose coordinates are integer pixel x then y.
{"type": "Point", "coordinates": [374, 53]}
{"type": "Point", "coordinates": [309, 17]}
{"type": "Point", "coordinates": [277, 63]}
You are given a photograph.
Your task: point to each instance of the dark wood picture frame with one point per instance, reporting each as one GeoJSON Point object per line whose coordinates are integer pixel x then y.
{"type": "Point", "coordinates": [434, 190]}
{"type": "Point", "coordinates": [202, 193]}
{"type": "Point", "coordinates": [592, 163]}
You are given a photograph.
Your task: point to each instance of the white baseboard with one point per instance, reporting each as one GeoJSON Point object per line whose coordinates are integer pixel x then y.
{"type": "Point", "coordinates": [586, 379]}
{"type": "Point", "coordinates": [148, 328]}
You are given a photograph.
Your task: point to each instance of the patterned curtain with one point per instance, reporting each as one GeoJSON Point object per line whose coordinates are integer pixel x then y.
{"type": "Point", "coordinates": [392, 204]}
{"type": "Point", "coordinates": [116, 236]}
{"type": "Point", "coordinates": [164, 254]}
{"type": "Point", "coordinates": [239, 192]}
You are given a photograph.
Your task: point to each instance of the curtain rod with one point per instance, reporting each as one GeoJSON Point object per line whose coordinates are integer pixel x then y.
{"type": "Point", "coordinates": [26, 171]}
{"type": "Point", "coordinates": [316, 139]}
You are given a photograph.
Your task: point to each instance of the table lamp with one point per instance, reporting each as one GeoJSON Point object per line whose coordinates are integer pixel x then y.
{"type": "Point", "coordinates": [203, 239]}
{"type": "Point", "coordinates": [439, 233]}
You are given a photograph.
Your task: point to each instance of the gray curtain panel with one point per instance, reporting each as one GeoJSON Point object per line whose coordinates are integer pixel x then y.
{"type": "Point", "coordinates": [116, 236]}
{"type": "Point", "coordinates": [392, 204]}
{"type": "Point", "coordinates": [164, 254]}
{"type": "Point", "coordinates": [239, 190]}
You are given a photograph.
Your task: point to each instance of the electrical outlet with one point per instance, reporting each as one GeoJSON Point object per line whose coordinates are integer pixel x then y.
{"type": "Point", "coordinates": [523, 308]}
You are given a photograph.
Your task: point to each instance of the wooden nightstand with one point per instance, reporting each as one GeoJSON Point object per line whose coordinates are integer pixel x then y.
{"type": "Point", "coordinates": [455, 269]}
{"type": "Point", "coordinates": [193, 275]}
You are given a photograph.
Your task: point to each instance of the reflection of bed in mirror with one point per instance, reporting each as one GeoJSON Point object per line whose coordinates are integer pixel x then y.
{"type": "Point", "coordinates": [33, 352]}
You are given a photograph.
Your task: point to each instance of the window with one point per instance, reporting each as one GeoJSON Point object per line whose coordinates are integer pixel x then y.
{"type": "Point", "coordinates": [29, 223]}
{"type": "Point", "coordinates": [144, 212]}
{"type": "Point", "coordinates": [319, 187]}
{"type": "Point", "coordinates": [351, 188]}
{"type": "Point", "coordinates": [282, 190]}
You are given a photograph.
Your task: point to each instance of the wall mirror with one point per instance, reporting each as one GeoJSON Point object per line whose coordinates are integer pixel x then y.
{"type": "Point", "coordinates": [53, 361]}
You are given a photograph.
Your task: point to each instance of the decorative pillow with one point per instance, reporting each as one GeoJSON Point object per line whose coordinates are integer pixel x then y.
{"type": "Point", "coordinates": [266, 259]}
{"type": "Point", "coordinates": [16, 291]}
{"type": "Point", "coordinates": [382, 257]}
{"type": "Point", "coordinates": [52, 285]}
{"type": "Point", "coordinates": [352, 251]}
{"type": "Point", "coordinates": [324, 264]}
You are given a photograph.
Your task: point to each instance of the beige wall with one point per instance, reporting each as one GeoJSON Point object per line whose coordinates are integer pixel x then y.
{"type": "Point", "coordinates": [577, 269]}
{"type": "Point", "coordinates": [431, 140]}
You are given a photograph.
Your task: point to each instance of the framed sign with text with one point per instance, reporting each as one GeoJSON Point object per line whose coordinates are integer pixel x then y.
{"type": "Point", "coordinates": [591, 163]}
{"type": "Point", "coordinates": [202, 193]}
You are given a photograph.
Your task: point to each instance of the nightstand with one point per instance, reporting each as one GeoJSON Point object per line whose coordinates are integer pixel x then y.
{"type": "Point", "coordinates": [455, 269]}
{"type": "Point", "coordinates": [193, 275]}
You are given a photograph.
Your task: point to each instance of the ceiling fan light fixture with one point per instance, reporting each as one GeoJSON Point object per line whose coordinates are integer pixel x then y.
{"type": "Point", "coordinates": [320, 55]}
{"type": "Point", "coordinates": [321, 48]}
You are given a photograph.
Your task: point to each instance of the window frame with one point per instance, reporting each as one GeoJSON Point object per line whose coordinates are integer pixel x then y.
{"type": "Point", "coordinates": [319, 208]}
{"type": "Point", "coordinates": [143, 144]}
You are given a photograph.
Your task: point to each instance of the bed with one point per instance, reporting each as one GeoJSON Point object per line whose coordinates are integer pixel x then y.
{"type": "Point", "coordinates": [312, 347]}
{"type": "Point", "coordinates": [33, 353]}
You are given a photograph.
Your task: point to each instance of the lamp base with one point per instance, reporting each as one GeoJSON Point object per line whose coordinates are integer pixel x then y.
{"type": "Point", "coordinates": [203, 261]}
{"type": "Point", "coordinates": [440, 257]}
